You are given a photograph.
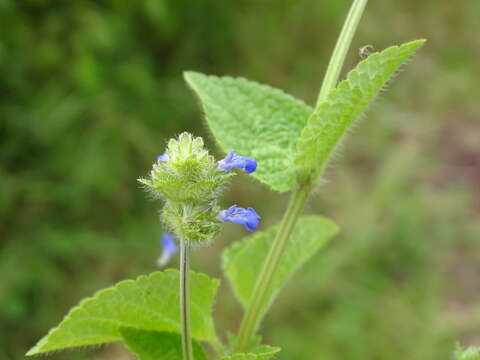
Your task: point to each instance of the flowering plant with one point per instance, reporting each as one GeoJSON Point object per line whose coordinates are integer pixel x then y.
{"type": "Point", "coordinates": [281, 142]}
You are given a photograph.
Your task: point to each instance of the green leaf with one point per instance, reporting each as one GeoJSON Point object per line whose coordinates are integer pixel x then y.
{"type": "Point", "coordinates": [256, 121]}
{"type": "Point", "coordinates": [149, 302]}
{"type": "Point", "coordinates": [469, 354]}
{"type": "Point", "coordinates": [155, 345]}
{"type": "Point", "coordinates": [262, 352]}
{"type": "Point", "coordinates": [346, 103]}
{"type": "Point", "coordinates": [243, 260]}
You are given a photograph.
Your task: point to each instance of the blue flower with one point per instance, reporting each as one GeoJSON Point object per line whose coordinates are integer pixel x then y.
{"type": "Point", "coordinates": [163, 157]}
{"type": "Point", "coordinates": [240, 216]}
{"type": "Point", "coordinates": [169, 249]}
{"type": "Point", "coordinates": [236, 161]}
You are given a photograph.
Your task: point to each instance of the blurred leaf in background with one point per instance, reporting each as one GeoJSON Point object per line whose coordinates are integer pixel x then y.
{"type": "Point", "coordinates": [92, 89]}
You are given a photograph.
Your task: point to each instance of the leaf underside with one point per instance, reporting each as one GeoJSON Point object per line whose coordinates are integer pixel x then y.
{"type": "Point", "coordinates": [346, 103]}
{"type": "Point", "coordinates": [149, 303]}
{"type": "Point", "coordinates": [155, 345]}
{"type": "Point", "coordinates": [262, 352]}
{"type": "Point", "coordinates": [254, 120]}
{"type": "Point", "coordinates": [243, 260]}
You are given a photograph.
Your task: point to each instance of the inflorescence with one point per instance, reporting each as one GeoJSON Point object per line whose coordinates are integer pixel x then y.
{"type": "Point", "coordinates": [190, 182]}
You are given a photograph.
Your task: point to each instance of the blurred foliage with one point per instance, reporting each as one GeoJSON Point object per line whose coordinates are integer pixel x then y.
{"type": "Point", "coordinates": [470, 353]}
{"type": "Point", "coordinates": [92, 89]}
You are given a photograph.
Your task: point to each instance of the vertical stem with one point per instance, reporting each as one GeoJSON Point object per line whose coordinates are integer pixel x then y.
{"type": "Point", "coordinates": [185, 301]}
{"type": "Point", "coordinates": [255, 310]}
{"type": "Point", "coordinates": [257, 306]}
{"type": "Point", "coordinates": [341, 48]}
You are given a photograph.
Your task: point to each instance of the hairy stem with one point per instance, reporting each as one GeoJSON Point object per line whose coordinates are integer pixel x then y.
{"type": "Point", "coordinates": [341, 48]}
{"type": "Point", "coordinates": [185, 301]}
{"type": "Point", "coordinates": [257, 306]}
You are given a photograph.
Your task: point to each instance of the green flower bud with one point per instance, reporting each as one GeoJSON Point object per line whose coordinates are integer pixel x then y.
{"type": "Point", "coordinates": [189, 181]}
{"type": "Point", "coordinates": [189, 175]}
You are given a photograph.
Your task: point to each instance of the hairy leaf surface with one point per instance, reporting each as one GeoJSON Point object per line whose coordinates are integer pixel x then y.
{"type": "Point", "coordinates": [149, 302]}
{"type": "Point", "coordinates": [156, 345]}
{"type": "Point", "coordinates": [262, 352]}
{"type": "Point", "coordinates": [243, 260]}
{"type": "Point", "coordinates": [254, 120]}
{"type": "Point", "coordinates": [328, 124]}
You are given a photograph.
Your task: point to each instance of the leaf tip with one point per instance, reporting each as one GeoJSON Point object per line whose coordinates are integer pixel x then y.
{"type": "Point", "coordinates": [190, 76]}
{"type": "Point", "coordinates": [416, 44]}
{"type": "Point", "coordinates": [37, 349]}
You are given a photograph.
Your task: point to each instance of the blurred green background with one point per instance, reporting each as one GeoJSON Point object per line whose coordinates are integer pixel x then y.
{"type": "Point", "coordinates": [91, 90]}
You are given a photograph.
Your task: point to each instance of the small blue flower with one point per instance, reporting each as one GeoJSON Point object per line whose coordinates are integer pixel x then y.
{"type": "Point", "coordinates": [163, 157]}
{"type": "Point", "coordinates": [236, 161]}
{"type": "Point", "coordinates": [169, 247]}
{"type": "Point", "coordinates": [240, 216]}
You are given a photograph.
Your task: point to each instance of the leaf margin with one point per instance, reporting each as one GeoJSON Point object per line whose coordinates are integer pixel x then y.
{"type": "Point", "coordinates": [239, 247]}
{"type": "Point", "coordinates": [38, 348]}
{"type": "Point", "coordinates": [191, 78]}
{"type": "Point", "coordinates": [261, 352]}
{"type": "Point", "coordinates": [309, 173]}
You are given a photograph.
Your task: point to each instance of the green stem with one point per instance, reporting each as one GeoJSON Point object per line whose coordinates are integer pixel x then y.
{"type": "Point", "coordinates": [257, 306]}
{"type": "Point", "coordinates": [254, 312]}
{"type": "Point", "coordinates": [341, 48]}
{"type": "Point", "coordinates": [185, 301]}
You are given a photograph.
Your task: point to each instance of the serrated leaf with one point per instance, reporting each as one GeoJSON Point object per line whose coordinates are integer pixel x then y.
{"type": "Point", "coordinates": [149, 303]}
{"type": "Point", "coordinates": [262, 352]}
{"type": "Point", "coordinates": [346, 103]}
{"type": "Point", "coordinates": [155, 345]}
{"type": "Point", "coordinates": [243, 260]}
{"type": "Point", "coordinates": [255, 120]}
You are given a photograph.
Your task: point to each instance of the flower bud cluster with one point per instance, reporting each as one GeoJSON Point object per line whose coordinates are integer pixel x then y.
{"type": "Point", "coordinates": [189, 181]}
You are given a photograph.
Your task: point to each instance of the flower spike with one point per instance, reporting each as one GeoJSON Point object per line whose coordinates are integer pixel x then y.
{"type": "Point", "coordinates": [241, 216]}
{"type": "Point", "coordinates": [170, 248]}
{"type": "Point", "coordinates": [233, 160]}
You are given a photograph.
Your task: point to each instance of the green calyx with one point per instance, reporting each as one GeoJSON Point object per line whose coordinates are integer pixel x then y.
{"type": "Point", "coordinates": [189, 175]}
{"type": "Point", "coordinates": [197, 224]}
{"type": "Point", "coordinates": [189, 181]}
